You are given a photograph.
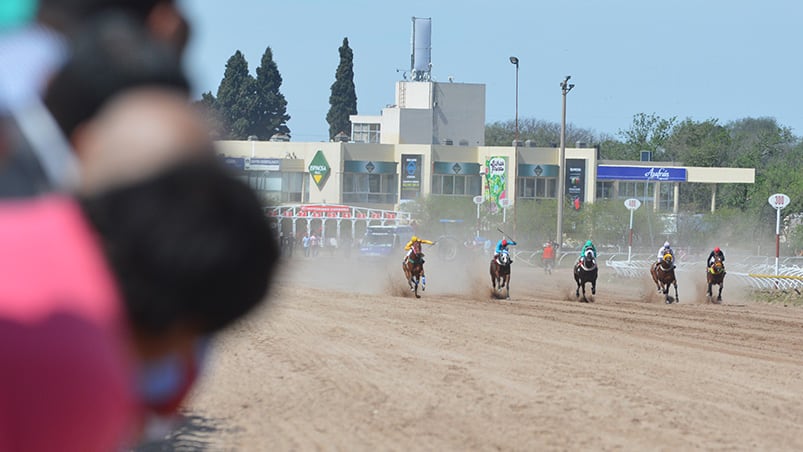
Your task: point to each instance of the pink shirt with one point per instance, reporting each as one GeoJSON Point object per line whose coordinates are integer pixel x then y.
{"type": "Point", "coordinates": [66, 381]}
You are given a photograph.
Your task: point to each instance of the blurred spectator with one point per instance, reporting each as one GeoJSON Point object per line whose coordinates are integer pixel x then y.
{"type": "Point", "coordinates": [138, 277]}
{"type": "Point", "coordinates": [33, 156]}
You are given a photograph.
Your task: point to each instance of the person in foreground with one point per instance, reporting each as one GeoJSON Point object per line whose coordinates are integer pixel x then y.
{"type": "Point", "coordinates": [109, 298]}
{"type": "Point", "coordinates": [409, 252]}
{"type": "Point", "coordinates": [502, 246]}
{"type": "Point", "coordinates": [716, 252]}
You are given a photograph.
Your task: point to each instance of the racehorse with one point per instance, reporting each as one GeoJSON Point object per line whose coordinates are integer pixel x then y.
{"type": "Point", "coordinates": [500, 273]}
{"type": "Point", "coordinates": [413, 267]}
{"type": "Point", "coordinates": [586, 271]}
{"type": "Point", "coordinates": [663, 273]}
{"type": "Point", "coordinates": [716, 275]}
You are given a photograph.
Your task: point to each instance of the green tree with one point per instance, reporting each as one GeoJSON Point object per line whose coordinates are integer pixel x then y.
{"type": "Point", "coordinates": [236, 99]}
{"type": "Point", "coordinates": [649, 133]}
{"type": "Point", "coordinates": [543, 133]}
{"type": "Point", "coordinates": [343, 100]}
{"type": "Point", "coordinates": [270, 110]}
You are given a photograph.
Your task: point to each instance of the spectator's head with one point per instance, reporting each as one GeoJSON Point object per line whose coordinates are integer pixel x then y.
{"type": "Point", "coordinates": [137, 133]}
{"type": "Point", "coordinates": [162, 18]}
{"type": "Point", "coordinates": [190, 247]}
{"type": "Point", "coordinates": [112, 54]}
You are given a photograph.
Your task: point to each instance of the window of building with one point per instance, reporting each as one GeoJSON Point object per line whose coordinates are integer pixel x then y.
{"type": "Point", "coordinates": [370, 188]}
{"type": "Point", "coordinates": [536, 187]}
{"type": "Point", "coordinates": [456, 184]}
{"type": "Point", "coordinates": [283, 187]}
{"type": "Point", "coordinates": [365, 133]}
{"type": "Point", "coordinates": [605, 190]}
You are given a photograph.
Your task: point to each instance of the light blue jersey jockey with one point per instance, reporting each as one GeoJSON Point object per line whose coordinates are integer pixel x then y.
{"type": "Point", "coordinates": [502, 246]}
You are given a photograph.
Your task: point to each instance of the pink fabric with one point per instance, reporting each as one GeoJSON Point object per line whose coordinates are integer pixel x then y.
{"type": "Point", "coordinates": [66, 381]}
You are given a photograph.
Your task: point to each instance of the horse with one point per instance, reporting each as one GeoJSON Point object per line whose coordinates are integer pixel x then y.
{"type": "Point", "coordinates": [715, 274]}
{"type": "Point", "coordinates": [413, 267]}
{"type": "Point", "coordinates": [500, 273]}
{"type": "Point", "coordinates": [586, 271]}
{"type": "Point", "coordinates": [663, 273]}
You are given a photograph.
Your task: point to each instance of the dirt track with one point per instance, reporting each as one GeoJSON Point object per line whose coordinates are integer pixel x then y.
{"type": "Point", "coordinates": [346, 359]}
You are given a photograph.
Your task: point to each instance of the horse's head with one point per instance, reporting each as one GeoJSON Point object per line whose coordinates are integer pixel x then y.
{"type": "Point", "coordinates": [589, 256]}
{"type": "Point", "coordinates": [668, 259]}
{"type": "Point", "coordinates": [416, 247]}
{"type": "Point", "coordinates": [717, 267]}
{"type": "Point", "coordinates": [503, 258]}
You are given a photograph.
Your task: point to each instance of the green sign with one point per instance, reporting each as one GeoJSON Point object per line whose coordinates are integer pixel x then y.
{"type": "Point", "coordinates": [319, 169]}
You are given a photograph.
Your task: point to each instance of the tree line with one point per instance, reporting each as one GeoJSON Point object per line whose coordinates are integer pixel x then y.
{"type": "Point", "coordinates": [247, 106]}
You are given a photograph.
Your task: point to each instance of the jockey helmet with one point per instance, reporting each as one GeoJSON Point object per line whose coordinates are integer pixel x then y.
{"type": "Point", "coordinates": [504, 242]}
{"type": "Point", "coordinates": [414, 239]}
{"type": "Point", "coordinates": [666, 244]}
{"type": "Point", "coordinates": [588, 243]}
{"type": "Point", "coordinates": [716, 250]}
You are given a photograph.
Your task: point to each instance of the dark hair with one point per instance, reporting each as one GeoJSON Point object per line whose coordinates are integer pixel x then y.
{"type": "Point", "coordinates": [67, 13]}
{"type": "Point", "coordinates": [111, 54]}
{"type": "Point", "coordinates": [190, 247]}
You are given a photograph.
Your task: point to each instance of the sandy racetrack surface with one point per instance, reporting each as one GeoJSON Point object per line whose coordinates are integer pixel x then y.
{"type": "Point", "coordinates": [345, 358]}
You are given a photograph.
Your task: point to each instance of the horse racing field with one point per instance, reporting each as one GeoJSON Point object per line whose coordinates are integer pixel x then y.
{"type": "Point", "coordinates": [344, 358]}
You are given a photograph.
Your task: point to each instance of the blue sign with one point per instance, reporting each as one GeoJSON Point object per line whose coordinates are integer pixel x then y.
{"type": "Point", "coordinates": [233, 162]}
{"type": "Point", "coordinates": [369, 166]}
{"type": "Point", "coordinates": [461, 168]}
{"type": "Point", "coordinates": [641, 173]}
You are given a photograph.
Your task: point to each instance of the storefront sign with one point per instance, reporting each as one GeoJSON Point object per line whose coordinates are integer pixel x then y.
{"type": "Point", "coordinates": [538, 170]}
{"type": "Point", "coordinates": [575, 181]}
{"type": "Point", "coordinates": [262, 164]}
{"type": "Point", "coordinates": [237, 163]}
{"type": "Point", "coordinates": [641, 173]}
{"type": "Point", "coordinates": [369, 167]}
{"type": "Point", "coordinates": [319, 169]}
{"type": "Point", "coordinates": [459, 168]}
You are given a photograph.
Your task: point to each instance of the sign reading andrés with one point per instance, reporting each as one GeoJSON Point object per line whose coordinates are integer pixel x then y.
{"type": "Point", "coordinates": [648, 173]}
{"type": "Point", "coordinates": [319, 169]}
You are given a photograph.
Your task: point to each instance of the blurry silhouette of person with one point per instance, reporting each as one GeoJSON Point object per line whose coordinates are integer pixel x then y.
{"type": "Point", "coordinates": [119, 325]}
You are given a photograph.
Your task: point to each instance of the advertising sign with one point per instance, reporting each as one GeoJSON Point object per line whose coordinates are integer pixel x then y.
{"type": "Point", "coordinates": [319, 169]}
{"type": "Point", "coordinates": [237, 163]}
{"type": "Point", "coordinates": [575, 181]}
{"type": "Point", "coordinates": [466, 168]}
{"type": "Point", "coordinates": [641, 173]}
{"type": "Point", "coordinates": [526, 170]}
{"type": "Point", "coordinates": [369, 167]}
{"type": "Point", "coordinates": [262, 164]}
{"type": "Point", "coordinates": [410, 176]}
{"type": "Point", "coordinates": [496, 179]}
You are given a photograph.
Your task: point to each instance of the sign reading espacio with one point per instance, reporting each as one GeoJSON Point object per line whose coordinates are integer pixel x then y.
{"type": "Point", "coordinates": [319, 169]}
{"type": "Point", "coordinates": [641, 173]}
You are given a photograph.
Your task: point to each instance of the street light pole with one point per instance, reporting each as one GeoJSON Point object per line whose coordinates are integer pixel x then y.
{"type": "Point", "coordinates": [515, 61]}
{"type": "Point", "coordinates": [565, 87]}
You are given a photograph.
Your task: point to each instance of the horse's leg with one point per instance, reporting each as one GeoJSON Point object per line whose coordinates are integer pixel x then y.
{"type": "Point", "coordinates": [721, 284]}
{"type": "Point", "coordinates": [577, 291]}
{"type": "Point", "coordinates": [675, 283]}
{"type": "Point", "coordinates": [594, 285]}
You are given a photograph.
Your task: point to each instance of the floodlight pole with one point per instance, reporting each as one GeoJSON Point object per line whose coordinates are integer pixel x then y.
{"type": "Point", "coordinates": [565, 88]}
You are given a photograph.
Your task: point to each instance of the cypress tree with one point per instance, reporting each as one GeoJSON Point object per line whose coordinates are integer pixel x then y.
{"type": "Point", "coordinates": [271, 110]}
{"type": "Point", "coordinates": [236, 99]}
{"type": "Point", "coordinates": [343, 100]}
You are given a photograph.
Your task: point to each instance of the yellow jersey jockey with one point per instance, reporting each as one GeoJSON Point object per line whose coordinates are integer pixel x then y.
{"type": "Point", "coordinates": [409, 248]}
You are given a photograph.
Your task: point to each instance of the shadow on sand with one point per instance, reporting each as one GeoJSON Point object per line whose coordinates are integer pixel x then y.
{"type": "Point", "coordinates": [193, 433]}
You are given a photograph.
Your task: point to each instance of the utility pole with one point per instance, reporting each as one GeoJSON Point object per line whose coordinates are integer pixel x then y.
{"type": "Point", "coordinates": [565, 87]}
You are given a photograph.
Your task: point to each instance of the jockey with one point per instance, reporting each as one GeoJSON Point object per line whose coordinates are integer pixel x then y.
{"type": "Point", "coordinates": [716, 252]}
{"type": "Point", "coordinates": [666, 249]}
{"type": "Point", "coordinates": [502, 246]}
{"type": "Point", "coordinates": [588, 246]}
{"type": "Point", "coordinates": [409, 248]}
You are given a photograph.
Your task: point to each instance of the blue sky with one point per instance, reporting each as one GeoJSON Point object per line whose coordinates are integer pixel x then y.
{"type": "Point", "coordinates": [687, 58]}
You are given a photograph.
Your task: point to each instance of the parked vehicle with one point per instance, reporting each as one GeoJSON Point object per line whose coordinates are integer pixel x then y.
{"type": "Point", "coordinates": [385, 240]}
